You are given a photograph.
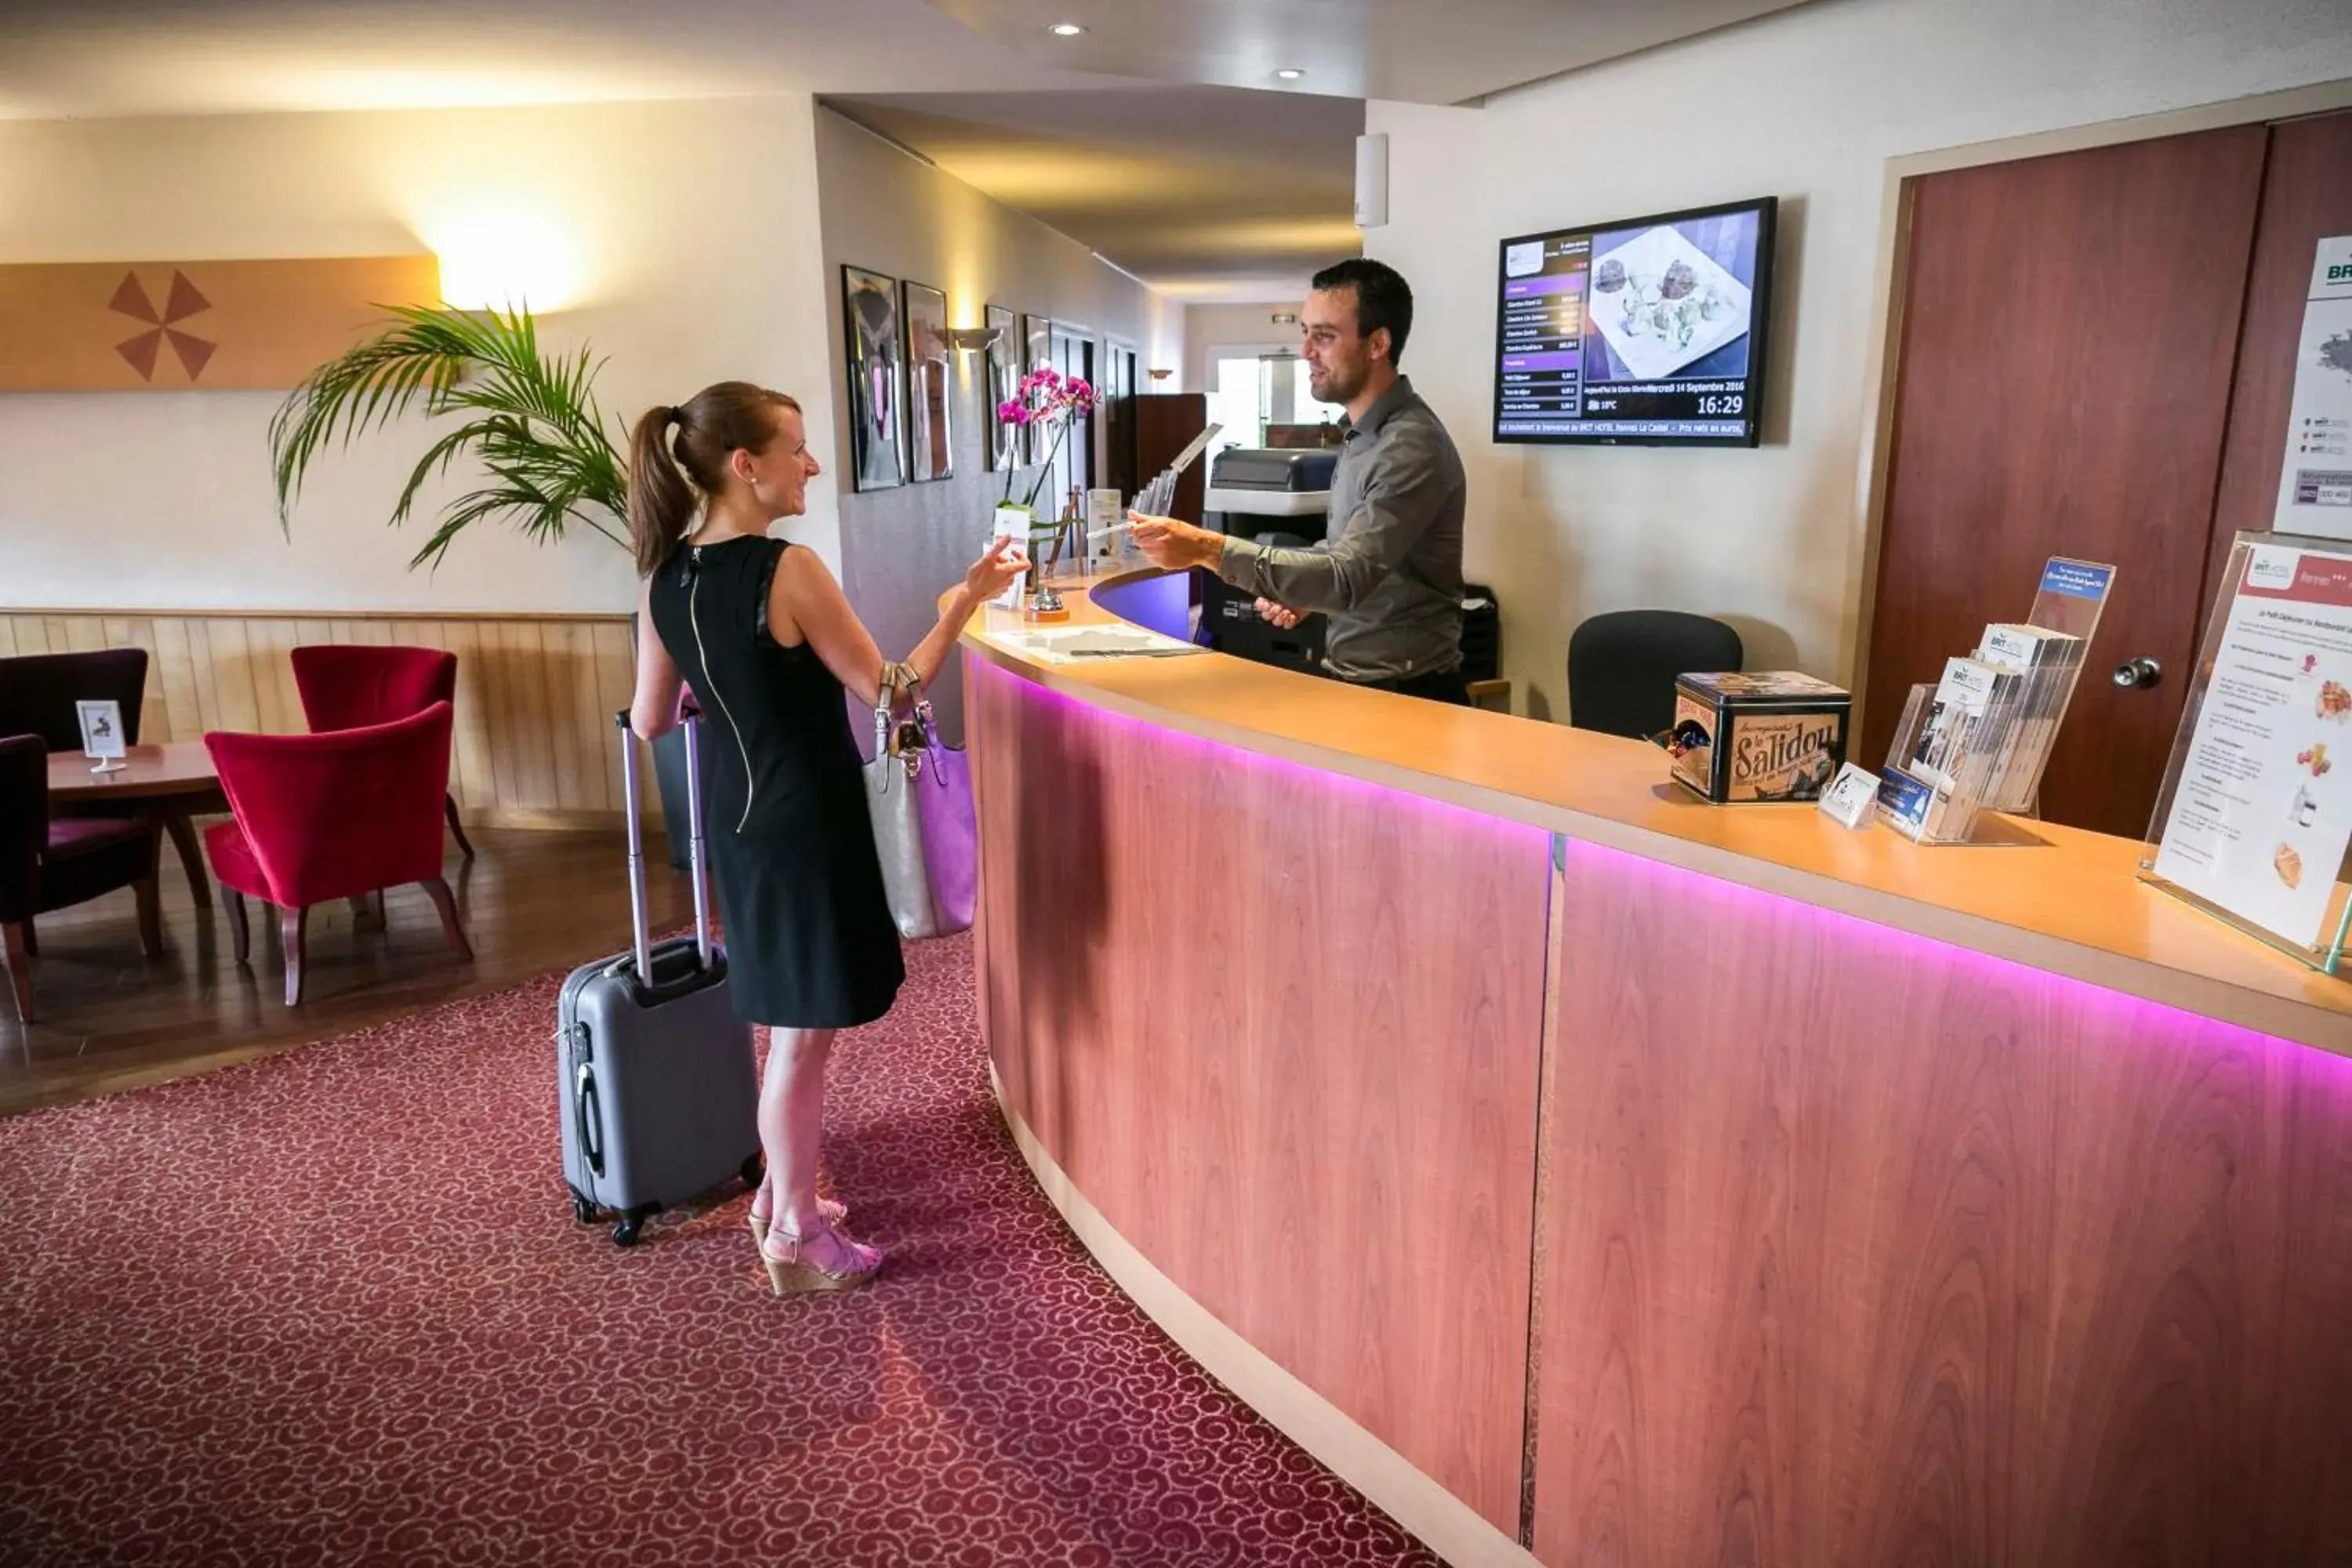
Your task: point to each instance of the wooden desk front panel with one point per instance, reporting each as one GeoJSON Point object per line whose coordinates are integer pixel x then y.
{"type": "Point", "coordinates": [1861, 1249]}
{"type": "Point", "coordinates": [1282, 1028]}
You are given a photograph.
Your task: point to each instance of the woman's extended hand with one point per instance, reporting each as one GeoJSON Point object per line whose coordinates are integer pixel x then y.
{"type": "Point", "coordinates": [995, 571]}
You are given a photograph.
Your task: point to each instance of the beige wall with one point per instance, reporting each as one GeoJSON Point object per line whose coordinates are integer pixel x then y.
{"type": "Point", "coordinates": [894, 214]}
{"type": "Point", "coordinates": [1809, 104]}
{"type": "Point", "coordinates": [679, 238]}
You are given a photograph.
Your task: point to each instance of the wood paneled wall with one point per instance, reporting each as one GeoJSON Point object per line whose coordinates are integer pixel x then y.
{"type": "Point", "coordinates": [536, 695]}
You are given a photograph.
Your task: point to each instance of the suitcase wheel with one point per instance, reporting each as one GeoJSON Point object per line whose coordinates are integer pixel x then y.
{"type": "Point", "coordinates": [582, 1209]}
{"type": "Point", "coordinates": [625, 1233]}
{"type": "Point", "coordinates": [753, 1169]}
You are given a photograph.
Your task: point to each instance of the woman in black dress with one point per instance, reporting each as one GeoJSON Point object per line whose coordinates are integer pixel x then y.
{"type": "Point", "coordinates": [761, 631]}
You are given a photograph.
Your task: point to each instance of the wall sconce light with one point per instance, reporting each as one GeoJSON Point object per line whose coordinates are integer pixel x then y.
{"type": "Point", "coordinates": [1161, 373]}
{"type": "Point", "coordinates": [969, 338]}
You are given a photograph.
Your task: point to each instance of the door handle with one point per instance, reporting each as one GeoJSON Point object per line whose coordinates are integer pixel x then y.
{"type": "Point", "coordinates": [2138, 674]}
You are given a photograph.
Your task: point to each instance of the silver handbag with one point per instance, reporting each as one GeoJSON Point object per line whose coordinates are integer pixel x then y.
{"type": "Point", "coordinates": [919, 793]}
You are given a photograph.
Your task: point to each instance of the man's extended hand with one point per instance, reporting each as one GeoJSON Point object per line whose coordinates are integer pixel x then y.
{"type": "Point", "coordinates": [1174, 545]}
{"type": "Point", "coordinates": [1282, 616]}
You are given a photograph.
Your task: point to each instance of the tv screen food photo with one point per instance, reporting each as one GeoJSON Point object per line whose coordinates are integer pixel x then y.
{"type": "Point", "coordinates": [1644, 333]}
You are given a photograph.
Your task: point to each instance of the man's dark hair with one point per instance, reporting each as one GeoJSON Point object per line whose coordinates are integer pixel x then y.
{"type": "Point", "coordinates": [1383, 298]}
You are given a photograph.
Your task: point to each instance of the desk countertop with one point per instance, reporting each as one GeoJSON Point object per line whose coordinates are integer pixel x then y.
{"type": "Point", "coordinates": [2067, 902]}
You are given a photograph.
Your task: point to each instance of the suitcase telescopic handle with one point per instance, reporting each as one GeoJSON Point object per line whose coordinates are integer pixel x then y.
{"type": "Point", "coordinates": [631, 802]}
{"type": "Point", "coordinates": [632, 795]}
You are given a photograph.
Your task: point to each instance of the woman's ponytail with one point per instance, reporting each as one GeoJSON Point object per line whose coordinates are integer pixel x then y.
{"type": "Point", "coordinates": [661, 502]}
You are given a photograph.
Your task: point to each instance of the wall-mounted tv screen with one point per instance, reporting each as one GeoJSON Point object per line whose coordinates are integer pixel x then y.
{"type": "Point", "coordinates": [1649, 332]}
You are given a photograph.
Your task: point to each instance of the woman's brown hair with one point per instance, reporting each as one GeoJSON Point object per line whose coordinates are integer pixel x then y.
{"type": "Point", "coordinates": [664, 473]}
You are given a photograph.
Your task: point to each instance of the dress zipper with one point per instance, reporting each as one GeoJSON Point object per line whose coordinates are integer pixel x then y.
{"type": "Point", "coordinates": [693, 593]}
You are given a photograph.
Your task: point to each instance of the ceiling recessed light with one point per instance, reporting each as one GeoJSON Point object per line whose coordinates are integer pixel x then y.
{"type": "Point", "coordinates": [1289, 73]}
{"type": "Point", "coordinates": [1065, 29]}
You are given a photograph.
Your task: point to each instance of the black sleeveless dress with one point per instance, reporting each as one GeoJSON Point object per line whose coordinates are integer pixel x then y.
{"type": "Point", "coordinates": [810, 941]}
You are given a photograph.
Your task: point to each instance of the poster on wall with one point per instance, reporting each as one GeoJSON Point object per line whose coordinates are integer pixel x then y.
{"type": "Point", "coordinates": [1003, 448]}
{"type": "Point", "coordinates": [870, 329]}
{"type": "Point", "coordinates": [2256, 812]}
{"type": "Point", "coordinates": [1037, 334]}
{"type": "Point", "coordinates": [928, 366]}
{"type": "Point", "coordinates": [2315, 481]}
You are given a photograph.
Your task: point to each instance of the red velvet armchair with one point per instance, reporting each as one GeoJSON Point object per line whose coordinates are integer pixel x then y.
{"type": "Point", "coordinates": [47, 865]}
{"type": "Point", "coordinates": [352, 687]}
{"type": "Point", "coordinates": [337, 815]}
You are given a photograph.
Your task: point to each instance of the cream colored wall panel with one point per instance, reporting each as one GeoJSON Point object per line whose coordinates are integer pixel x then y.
{"type": "Point", "coordinates": [616, 682]}
{"type": "Point", "coordinates": [233, 676]}
{"type": "Point", "coordinates": [532, 744]}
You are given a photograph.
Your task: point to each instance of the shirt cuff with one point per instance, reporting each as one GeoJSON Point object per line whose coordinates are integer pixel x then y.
{"type": "Point", "coordinates": [1237, 563]}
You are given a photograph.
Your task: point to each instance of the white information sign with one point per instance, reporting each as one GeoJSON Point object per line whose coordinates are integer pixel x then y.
{"type": "Point", "coordinates": [1013, 522]}
{"type": "Point", "coordinates": [2263, 807]}
{"type": "Point", "coordinates": [2315, 481]}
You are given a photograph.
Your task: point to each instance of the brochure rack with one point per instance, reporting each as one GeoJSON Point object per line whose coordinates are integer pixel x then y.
{"type": "Point", "coordinates": [1978, 740]}
{"type": "Point", "coordinates": [2252, 824]}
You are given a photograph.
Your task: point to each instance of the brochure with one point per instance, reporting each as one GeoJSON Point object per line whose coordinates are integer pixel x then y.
{"type": "Point", "coordinates": [1958, 731]}
{"type": "Point", "coordinates": [2259, 815]}
{"type": "Point", "coordinates": [2045, 662]}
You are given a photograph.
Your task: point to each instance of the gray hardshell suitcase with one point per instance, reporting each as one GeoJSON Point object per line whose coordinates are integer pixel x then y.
{"type": "Point", "coordinates": [659, 1095]}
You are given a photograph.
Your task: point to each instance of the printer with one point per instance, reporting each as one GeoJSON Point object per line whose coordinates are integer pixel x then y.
{"type": "Point", "coordinates": [1272, 497]}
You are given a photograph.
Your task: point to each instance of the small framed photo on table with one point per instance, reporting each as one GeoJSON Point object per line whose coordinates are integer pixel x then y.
{"type": "Point", "coordinates": [102, 734]}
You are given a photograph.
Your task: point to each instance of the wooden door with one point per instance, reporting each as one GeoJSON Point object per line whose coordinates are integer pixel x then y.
{"type": "Point", "coordinates": [2069, 329]}
{"type": "Point", "coordinates": [2306, 195]}
{"type": "Point", "coordinates": [1165, 424]}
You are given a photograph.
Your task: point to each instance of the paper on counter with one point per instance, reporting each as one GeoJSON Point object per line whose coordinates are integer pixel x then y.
{"type": "Point", "coordinates": [1071, 645]}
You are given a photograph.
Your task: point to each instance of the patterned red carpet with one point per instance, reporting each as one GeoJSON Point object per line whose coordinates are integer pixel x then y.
{"type": "Point", "coordinates": [332, 1308]}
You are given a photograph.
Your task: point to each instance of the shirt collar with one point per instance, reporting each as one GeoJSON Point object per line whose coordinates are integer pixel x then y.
{"type": "Point", "coordinates": [1383, 409]}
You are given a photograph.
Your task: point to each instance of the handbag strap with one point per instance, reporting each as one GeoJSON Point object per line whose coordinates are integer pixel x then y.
{"type": "Point", "coordinates": [886, 737]}
{"type": "Point", "coordinates": [896, 678]}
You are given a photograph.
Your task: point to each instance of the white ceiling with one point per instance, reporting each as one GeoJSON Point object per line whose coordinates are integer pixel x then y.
{"type": "Point", "coordinates": [1204, 192]}
{"type": "Point", "coordinates": [1159, 136]}
{"type": "Point", "coordinates": [62, 58]}
{"type": "Point", "coordinates": [1420, 51]}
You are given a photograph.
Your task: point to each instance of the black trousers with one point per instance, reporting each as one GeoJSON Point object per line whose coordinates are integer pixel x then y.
{"type": "Point", "coordinates": [1445, 686]}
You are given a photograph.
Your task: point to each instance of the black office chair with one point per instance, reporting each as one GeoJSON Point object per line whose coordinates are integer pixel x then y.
{"type": "Point", "coordinates": [1622, 667]}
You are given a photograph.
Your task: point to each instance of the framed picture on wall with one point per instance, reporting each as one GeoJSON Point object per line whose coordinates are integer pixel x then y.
{"type": "Point", "coordinates": [870, 330]}
{"type": "Point", "coordinates": [1037, 336]}
{"type": "Point", "coordinates": [1003, 372]}
{"type": "Point", "coordinates": [930, 386]}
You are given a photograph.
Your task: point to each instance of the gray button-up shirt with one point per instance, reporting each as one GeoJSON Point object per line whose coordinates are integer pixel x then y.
{"type": "Point", "coordinates": [1389, 574]}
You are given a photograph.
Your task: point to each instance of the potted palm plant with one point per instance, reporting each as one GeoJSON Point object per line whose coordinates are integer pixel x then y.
{"type": "Point", "coordinates": [528, 419]}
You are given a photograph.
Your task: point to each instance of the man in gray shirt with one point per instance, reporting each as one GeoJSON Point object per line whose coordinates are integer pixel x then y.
{"type": "Point", "coordinates": [1389, 574]}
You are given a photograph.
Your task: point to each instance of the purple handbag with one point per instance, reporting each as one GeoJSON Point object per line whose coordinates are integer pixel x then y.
{"type": "Point", "coordinates": [918, 792]}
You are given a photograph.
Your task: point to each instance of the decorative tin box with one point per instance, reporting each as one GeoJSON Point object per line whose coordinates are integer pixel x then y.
{"type": "Point", "coordinates": [1775, 735]}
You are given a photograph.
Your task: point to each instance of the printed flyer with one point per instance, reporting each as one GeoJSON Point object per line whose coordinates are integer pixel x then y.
{"type": "Point", "coordinates": [2315, 482]}
{"type": "Point", "coordinates": [2262, 812]}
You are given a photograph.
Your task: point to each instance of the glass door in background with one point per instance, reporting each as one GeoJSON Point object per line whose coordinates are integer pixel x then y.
{"type": "Point", "coordinates": [1072, 350]}
{"type": "Point", "coordinates": [1253, 385]}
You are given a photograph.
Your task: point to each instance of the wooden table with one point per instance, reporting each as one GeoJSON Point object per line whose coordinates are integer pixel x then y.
{"type": "Point", "coordinates": [168, 785]}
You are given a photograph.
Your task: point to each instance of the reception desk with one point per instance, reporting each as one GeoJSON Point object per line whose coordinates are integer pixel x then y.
{"type": "Point", "coordinates": [1592, 1175]}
